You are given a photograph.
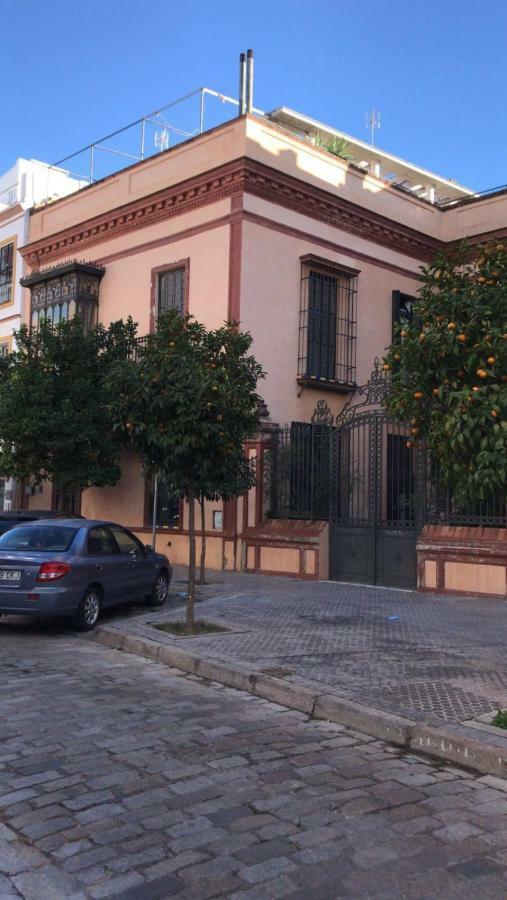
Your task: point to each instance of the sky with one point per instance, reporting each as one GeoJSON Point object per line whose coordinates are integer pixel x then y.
{"type": "Point", "coordinates": [72, 73]}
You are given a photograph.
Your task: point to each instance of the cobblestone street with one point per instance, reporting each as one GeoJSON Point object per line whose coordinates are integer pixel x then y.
{"type": "Point", "coordinates": [122, 778]}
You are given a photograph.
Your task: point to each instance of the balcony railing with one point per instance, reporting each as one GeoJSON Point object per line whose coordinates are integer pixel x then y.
{"type": "Point", "coordinates": [9, 196]}
{"type": "Point", "coordinates": [140, 343]}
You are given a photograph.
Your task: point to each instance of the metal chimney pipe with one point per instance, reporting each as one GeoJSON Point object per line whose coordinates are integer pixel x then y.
{"type": "Point", "coordinates": [242, 84]}
{"type": "Point", "coordinates": [249, 80]}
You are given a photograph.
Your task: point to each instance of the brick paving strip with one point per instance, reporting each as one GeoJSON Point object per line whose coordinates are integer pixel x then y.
{"type": "Point", "coordinates": [286, 636]}
{"type": "Point", "coordinates": [121, 777]}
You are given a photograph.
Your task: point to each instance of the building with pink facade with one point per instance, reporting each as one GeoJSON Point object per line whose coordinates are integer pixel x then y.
{"type": "Point", "coordinates": [257, 221]}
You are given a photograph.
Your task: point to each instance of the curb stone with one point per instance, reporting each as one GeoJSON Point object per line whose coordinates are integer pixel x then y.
{"type": "Point", "coordinates": [441, 742]}
{"type": "Point", "coordinates": [445, 743]}
{"type": "Point", "coordinates": [380, 724]}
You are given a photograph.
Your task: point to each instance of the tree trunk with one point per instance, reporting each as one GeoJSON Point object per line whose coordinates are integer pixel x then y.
{"type": "Point", "coordinates": [61, 500]}
{"type": "Point", "coordinates": [191, 561]}
{"type": "Point", "coordinates": [202, 567]}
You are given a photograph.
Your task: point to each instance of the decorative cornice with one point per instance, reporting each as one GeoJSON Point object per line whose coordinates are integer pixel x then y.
{"type": "Point", "coordinates": [11, 212]}
{"type": "Point", "coordinates": [234, 178]}
{"type": "Point", "coordinates": [301, 197]}
{"type": "Point", "coordinates": [74, 265]}
{"type": "Point", "coordinates": [183, 197]}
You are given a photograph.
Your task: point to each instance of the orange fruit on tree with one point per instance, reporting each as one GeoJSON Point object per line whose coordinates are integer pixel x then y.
{"type": "Point", "coordinates": [494, 413]}
{"type": "Point", "coordinates": [451, 326]}
{"type": "Point", "coordinates": [409, 444]}
{"type": "Point", "coordinates": [435, 392]}
{"type": "Point", "coordinates": [475, 388]}
{"type": "Point", "coordinates": [462, 338]}
{"type": "Point", "coordinates": [491, 360]}
{"type": "Point", "coordinates": [481, 373]}
{"type": "Point", "coordinates": [422, 336]}
{"type": "Point", "coordinates": [414, 431]}
{"type": "Point", "coordinates": [404, 334]}
{"type": "Point", "coordinates": [418, 395]}
{"type": "Point", "coordinates": [386, 367]}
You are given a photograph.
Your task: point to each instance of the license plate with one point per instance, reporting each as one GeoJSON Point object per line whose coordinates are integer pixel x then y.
{"type": "Point", "coordinates": [10, 574]}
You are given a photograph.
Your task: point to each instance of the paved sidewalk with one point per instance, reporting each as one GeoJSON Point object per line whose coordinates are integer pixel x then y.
{"type": "Point", "coordinates": [123, 778]}
{"type": "Point", "coordinates": [421, 656]}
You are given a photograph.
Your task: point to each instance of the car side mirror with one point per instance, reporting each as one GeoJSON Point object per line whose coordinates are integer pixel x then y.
{"type": "Point", "coordinates": [148, 548]}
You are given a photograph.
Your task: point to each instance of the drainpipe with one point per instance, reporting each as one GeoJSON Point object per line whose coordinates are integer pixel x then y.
{"type": "Point", "coordinates": [154, 521]}
{"type": "Point", "coordinates": [249, 80]}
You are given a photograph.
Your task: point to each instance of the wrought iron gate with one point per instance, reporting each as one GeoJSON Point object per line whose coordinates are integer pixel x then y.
{"type": "Point", "coordinates": [376, 497]}
{"type": "Point", "coordinates": [360, 472]}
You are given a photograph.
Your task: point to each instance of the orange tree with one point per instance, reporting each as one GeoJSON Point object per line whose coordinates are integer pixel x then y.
{"type": "Point", "coordinates": [187, 404]}
{"type": "Point", "coordinates": [448, 370]}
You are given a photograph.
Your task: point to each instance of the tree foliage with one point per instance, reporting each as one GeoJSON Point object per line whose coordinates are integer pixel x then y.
{"type": "Point", "coordinates": [448, 369]}
{"type": "Point", "coordinates": [187, 405]}
{"type": "Point", "coordinates": [54, 422]}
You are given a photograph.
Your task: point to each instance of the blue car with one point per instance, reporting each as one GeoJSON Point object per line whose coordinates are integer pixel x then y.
{"type": "Point", "coordinates": [76, 567]}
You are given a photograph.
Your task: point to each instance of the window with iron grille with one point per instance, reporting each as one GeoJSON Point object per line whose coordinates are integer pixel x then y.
{"type": "Point", "coordinates": [71, 502]}
{"type": "Point", "coordinates": [6, 272]}
{"type": "Point", "coordinates": [168, 509]}
{"type": "Point", "coordinates": [403, 309]}
{"type": "Point", "coordinates": [171, 290]}
{"type": "Point", "coordinates": [327, 325]}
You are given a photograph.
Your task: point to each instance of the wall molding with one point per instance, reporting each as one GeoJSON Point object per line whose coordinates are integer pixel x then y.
{"type": "Point", "coordinates": [233, 179]}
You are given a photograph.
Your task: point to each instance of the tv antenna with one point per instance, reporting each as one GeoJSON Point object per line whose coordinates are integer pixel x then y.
{"type": "Point", "coordinates": [161, 139]}
{"type": "Point", "coordinates": [372, 123]}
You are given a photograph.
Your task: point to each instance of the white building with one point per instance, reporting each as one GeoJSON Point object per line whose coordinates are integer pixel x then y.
{"type": "Point", "coordinates": [28, 183]}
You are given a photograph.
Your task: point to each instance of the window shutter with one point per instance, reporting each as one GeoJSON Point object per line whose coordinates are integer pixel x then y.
{"type": "Point", "coordinates": [171, 291]}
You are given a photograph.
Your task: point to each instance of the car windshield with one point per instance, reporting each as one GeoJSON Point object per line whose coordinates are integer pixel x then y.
{"type": "Point", "coordinates": [53, 538]}
{"type": "Point", "coordinates": [6, 524]}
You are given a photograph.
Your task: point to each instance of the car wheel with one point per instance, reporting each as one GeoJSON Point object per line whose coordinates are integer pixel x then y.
{"type": "Point", "coordinates": [159, 591]}
{"type": "Point", "coordinates": [88, 611]}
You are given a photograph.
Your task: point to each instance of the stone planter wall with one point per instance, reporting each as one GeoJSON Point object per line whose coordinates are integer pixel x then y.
{"type": "Point", "coordinates": [470, 561]}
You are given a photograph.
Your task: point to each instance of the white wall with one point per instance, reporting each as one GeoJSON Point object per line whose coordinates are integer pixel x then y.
{"type": "Point", "coordinates": [30, 181]}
